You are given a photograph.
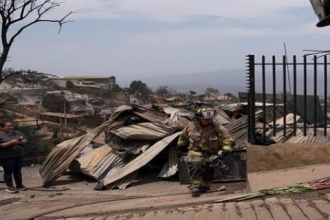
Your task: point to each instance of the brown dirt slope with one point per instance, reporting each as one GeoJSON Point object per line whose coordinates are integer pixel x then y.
{"type": "Point", "coordinates": [283, 156]}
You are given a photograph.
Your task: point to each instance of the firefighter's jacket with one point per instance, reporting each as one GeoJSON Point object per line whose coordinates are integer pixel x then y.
{"type": "Point", "coordinates": [205, 141]}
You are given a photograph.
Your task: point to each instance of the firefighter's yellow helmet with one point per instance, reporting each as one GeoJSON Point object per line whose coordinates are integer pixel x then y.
{"type": "Point", "coordinates": [204, 112]}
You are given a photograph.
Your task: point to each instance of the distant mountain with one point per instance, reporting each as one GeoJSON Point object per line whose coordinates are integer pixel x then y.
{"type": "Point", "coordinates": [232, 81]}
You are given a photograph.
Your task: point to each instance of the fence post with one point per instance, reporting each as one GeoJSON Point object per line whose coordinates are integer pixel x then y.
{"type": "Point", "coordinates": [251, 98]}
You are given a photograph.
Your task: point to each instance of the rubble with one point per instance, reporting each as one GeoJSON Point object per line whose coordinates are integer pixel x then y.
{"type": "Point", "coordinates": [135, 135]}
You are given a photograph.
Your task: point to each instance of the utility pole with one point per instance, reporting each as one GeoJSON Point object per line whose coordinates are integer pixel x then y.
{"type": "Point", "coordinates": [65, 121]}
{"type": "Point", "coordinates": [287, 66]}
{"type": "Point", "coordinates": [64, 108]}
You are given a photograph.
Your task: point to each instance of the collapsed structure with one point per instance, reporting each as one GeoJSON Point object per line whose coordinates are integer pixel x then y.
{"type": "Point", "coordinates": [135, 135]}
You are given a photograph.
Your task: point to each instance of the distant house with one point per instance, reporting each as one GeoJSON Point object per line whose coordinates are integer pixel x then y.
{"type": "Point", "coordinates": [121, 97]}
{"type": "Point", "coordinates": [88, 81]}
{"type": "Point", "coordinates": [213, 98]}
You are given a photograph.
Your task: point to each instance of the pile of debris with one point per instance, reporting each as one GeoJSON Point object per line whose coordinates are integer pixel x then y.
{"type": "Point", "coordinates": [134, 136]}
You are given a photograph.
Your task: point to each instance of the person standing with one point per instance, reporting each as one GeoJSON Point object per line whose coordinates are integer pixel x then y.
{"type": "Point", "coordinates": [11, 155]}
{"type": "Point", "coordinates": [203, 139]}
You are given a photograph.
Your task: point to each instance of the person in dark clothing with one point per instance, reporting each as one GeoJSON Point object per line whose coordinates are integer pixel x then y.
{"type": "Point", "coordinates": [11, 155]}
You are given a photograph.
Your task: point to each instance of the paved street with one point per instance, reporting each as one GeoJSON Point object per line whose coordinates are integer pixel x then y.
{"type": "Point", "coordinates": [183, 206]}
{"type": "Point", "coordinates": [268, 209]}
{"type": "Point", "coordinates": [75, 199]}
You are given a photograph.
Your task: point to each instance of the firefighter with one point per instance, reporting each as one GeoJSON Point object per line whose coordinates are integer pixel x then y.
{"type": "Point", "coordinates": [199, 142]}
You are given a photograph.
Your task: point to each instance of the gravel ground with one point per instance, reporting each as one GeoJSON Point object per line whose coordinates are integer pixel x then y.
{"type": "Point", "coordinates": [72, 189]}
{"type": "Point", "coordinates": [77, 185]}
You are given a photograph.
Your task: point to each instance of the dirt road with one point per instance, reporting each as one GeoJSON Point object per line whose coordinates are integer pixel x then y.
{"type": "Point", "coordinates": [72, 197]}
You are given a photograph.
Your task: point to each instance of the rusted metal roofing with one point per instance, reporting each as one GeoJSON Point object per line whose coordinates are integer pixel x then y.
{"type": "Point", "coordinates": [60, 115]}
{"type": "Point", "coordinates": [64, 153]}
{"type": "Point", "coordinates": [124, 137]}
{"type": "Point", "coordinates": [140, 161]}
{"type": "Point", "coordinates": [144, 131]}
{"type": "Point", "coordinates": [100, 139]}
{"type": "Point", "coordinates": [238, 130]}
{"type": "Point", "coordinates": [225, 117]}
{"type": "Point", "coordinates": [27, 122]}
{"type": "Point", "coordinates": [111, 157]}
{"type": "Point", "coordinates": [319, 137]}
{"type": "Point", "coordinates": [90, 161]}
{"type": "Point", "coordinates": [121, 109]}
{"type": "Point", "coordinates": [220, 119]}
{"type": "Point", "coordinates": [124, 182]}
{"type": "Point", "coordinates": [289, 137]}
{"type": "Point", "coordinates": [171, 166]}
{"type": "Point", "coordinates": [149, 114]}
{"type": "Point", "coordinates": [230, 107]}
{"type": "Point", "coordinates": [289, 118]}
{"type": "Point", "coordinates": [300, 107]}
{"type": "Point", "coordinates": [121, 145]}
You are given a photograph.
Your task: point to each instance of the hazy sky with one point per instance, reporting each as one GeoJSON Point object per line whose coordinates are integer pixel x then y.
{"type": "Point", "coordinates": [134, 39]}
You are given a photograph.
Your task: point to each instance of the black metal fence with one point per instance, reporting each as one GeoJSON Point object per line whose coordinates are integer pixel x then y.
{"type": "Point", "coordinates": [298, 86]}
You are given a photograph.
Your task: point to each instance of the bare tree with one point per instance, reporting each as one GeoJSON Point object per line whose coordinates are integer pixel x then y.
{"type": "Point", "coordinates": [23, 13]}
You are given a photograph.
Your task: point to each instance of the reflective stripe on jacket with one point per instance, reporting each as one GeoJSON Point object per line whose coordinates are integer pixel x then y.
{"type": "Point", "coordinates": [205, 141]}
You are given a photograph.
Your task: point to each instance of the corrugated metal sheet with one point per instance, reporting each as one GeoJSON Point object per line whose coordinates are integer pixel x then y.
{"type": "Point", "coordinates": [310, 138]}
{"type": "Point", "coordinates": [141, 131]}
{"type": "Point", "coordinates": [91, 161]}
{"type": "Point", "coordinates": [149, 114]}
{"type": "Point", "coordinates": [300, 107]}
{"type": "Point", "coordinates": [144, 131]}
{"type": "Point", "coordinates": [132, 146]}
{"type": "Point", "coordinates": [100, 139]}
{"type": "Point", "coordinates": [103, 163]}
{"type": "Point", "coordinates": [64, 153]}
{"type": "Point", "coordinates": [171, 166]}
{"type": "Point", "coordinates": [123, 183]}
{"type": "Point", "coordinates": [225, 117]}
{"type": "Point", "coordinates": [238, 130]}
{"type": "Point", "coordinates": [60, 115]}
{"type": "Point", "coordinates": [178, 118]}
{"type": "Point", "coordinates": [299, 138]}
{"type": "Point", "coordinates": [289, 119]}
{"type": "Point", "coordinates": [220, 119]}
{"type": "Point", "coordinates": [140, 161]}
{"type": "Point", "coordinates": [122, 119]}
{"type": "Point", "coordinates": [230, 107]}
{"type": "Point", "coordinates": [279, 137]}
{"type": "Point", "coordinates": [121, 109]}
